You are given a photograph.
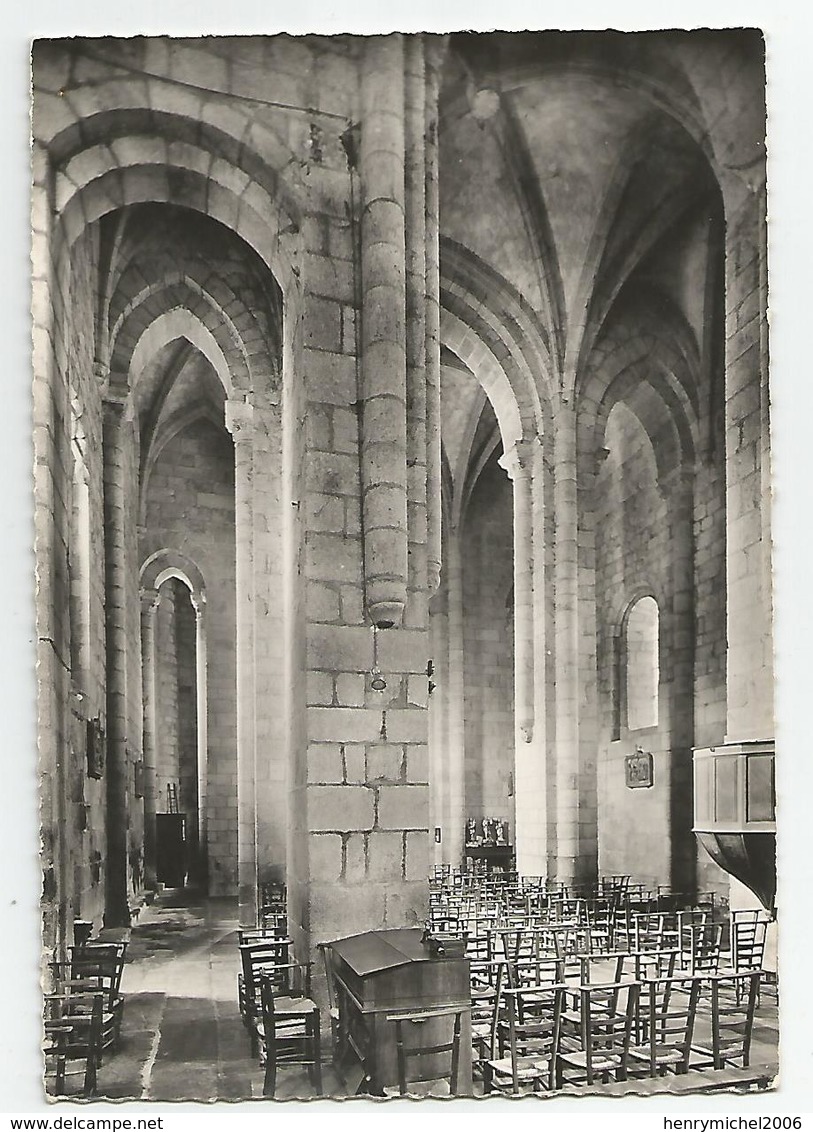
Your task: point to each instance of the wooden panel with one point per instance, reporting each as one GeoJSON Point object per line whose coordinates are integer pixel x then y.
{"type": "Point", "coordinates": [726, 799]}
{"type": "Point", "coordinates": [703, 791]}
{"type": "Point", "coordinates": [760, 796]}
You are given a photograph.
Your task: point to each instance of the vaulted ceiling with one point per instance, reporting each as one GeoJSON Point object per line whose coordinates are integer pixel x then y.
{"type": "Point", "coordinates": [572, 166]}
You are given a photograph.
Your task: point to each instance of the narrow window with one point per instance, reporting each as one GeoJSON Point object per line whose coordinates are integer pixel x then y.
{"type": "Point", "coordinates": [642, 665]}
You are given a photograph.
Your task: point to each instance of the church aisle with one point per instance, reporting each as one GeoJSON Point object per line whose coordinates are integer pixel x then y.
{"type": "Point", "coordinates": [182, 1038]}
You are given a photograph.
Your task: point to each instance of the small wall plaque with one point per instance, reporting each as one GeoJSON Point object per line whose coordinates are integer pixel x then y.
{"type": "Point", "coordinates": [638, 770]}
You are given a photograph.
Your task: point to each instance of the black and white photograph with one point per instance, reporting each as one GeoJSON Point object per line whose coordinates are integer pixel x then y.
{"type": "Point", "coordinates": [402, 523]}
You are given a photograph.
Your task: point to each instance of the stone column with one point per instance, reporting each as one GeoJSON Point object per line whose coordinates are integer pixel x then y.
{"type": "Point", "coordinates": [749, 589]}
{"type": "Point", "coordinates": [454, 754]}
{"type": "Point", "coordinates": [518, 462]}
{"type": "Point", "coordinates": [434, 50]}
{"type": "Point", "coordinates": [566, 583]}
{"type": "Point", "coordinates": [271, 785]}
{"type": "Point", "coordinates": [749, 676]}
{"type": "Point", "coordinates": [240, 423]}
{"type": "Point", "coordinates": [199, 605]}
{"type": "Point", "coordinates": [438, 727]}
{"type": "Point", "coordinates": [416, 301]}
{"type": "Point", "coordinates": [149, 606]}
{"type": "Point", "coordinates": [383, 356]}
{"type": "Point", "coordinates": [676, 663]}
{"type": "Point", "coordinates": [114, 439]}
{"type": "Point", "coordinates": [524, 465]}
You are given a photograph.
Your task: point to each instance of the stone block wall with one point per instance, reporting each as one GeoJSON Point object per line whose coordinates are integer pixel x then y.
{"type": "Point", "coordinates": [66, 404]}
{"type": "Point", "coordinates": [367, 777]}
{"type": "Point", "coordinates": [363, 775]}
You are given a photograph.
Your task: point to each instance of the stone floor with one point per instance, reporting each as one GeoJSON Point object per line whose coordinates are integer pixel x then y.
{"type": "Point", "coordinates": [182, 1038]}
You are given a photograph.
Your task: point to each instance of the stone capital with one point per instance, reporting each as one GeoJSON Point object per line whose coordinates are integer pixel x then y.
{"type": "Point", "coordinates": [113, 387]}
{"type": "Point", "coordinates": [518, 461]}
{"type": "Point", "coordinates": [149, 600]}
{"type": "Point", "coordinates": [240, 419]}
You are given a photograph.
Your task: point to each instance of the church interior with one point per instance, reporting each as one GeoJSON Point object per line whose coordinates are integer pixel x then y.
{"type": "Point", "coordinates": [402, 513]}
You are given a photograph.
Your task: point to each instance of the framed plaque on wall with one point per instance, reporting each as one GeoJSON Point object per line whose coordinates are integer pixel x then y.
{"type": "Point", "coordinates": [638, 770]}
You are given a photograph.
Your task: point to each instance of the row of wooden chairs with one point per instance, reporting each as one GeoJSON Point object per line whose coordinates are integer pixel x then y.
{"type": "Point", "coordinates": [545, 1036]}
{"type": "Point", "coordinates": [700, 931]}
{"type": "Point", "coordinates": [83, 1014]}
{"type": "Point", "coordinates": [447, 883]}
{"type": "Point", "coordinates": [550, 939]}
{"type": "Point", "coordinates": [282, 1020]}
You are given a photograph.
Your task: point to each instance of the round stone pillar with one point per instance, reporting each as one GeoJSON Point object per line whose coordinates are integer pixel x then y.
{"type": "Point", "coordinates": [566, 583]}
{"type": "Point", "coordinates": [383, 331]}
{"type": "Point", "coordinates": [240, 423]}
{"type": "Point", "coordinates": [415, 239]}
{"type": "Point", "coordinates": [149, 606]}
{"type": "Point", "coordinates": [199, 605]}
{"type": "Point", "coordinates": [114, 439]}
{"type": "Point", "coordinates": [433, 56]}
{"type": "Point", "coordinates": [519, 463]}
{"type": "Point", "coordinates": [454, 754]}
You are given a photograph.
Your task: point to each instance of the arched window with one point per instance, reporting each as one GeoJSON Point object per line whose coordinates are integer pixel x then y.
{"type": "Point", "coordinates": [642, 664]}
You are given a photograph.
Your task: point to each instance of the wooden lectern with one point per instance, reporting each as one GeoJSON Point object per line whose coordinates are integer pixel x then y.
{"type": "Point", "coordinates": [382, 972]}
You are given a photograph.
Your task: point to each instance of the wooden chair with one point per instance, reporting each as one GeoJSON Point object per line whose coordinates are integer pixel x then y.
{"type": "Point", "coordinates": [733, 1004]}
{"type": "Point", "coordinates": [73, 1041]}
{"type": "Point", "coordinates": [270, 957]}
{"type": "Point", "coordinates": [259, 935]}
{"type": "Point", "coordinates": [97, 968]}
{"type": "Point", "coordinates": [289, 1033]}
{"type": "Point", "coordinates": [649, 931]}
{"type": "Point", "coordinates": [530, 1033]}
{"type": "Point", "coordinates": [272, 906]}
{"type": "Point", "coordinates": [748, 931]}
{"type": "Point", "coordinates": [667, 1014]}
{"type": "Point", "coordinates": [412, 1054]}
{"type": "Point", "coordinates": [271, 896]}
{"type": "Point", "coordinates": [602, 970]}
{"type": "Point", "coordinates": [601, 1046]}
{"type": "Point", "coordinates": [700, 947]}
{"type": "Point", "coordinates": [599, 924]}
{"type": "Point", "coordinates": [485, 981]}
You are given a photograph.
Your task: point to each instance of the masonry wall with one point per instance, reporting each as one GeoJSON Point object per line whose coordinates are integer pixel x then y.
{"type": "Point", "coordinates": [72, 810]}
{"type": "Point", "coordinates": [488, 611]}
{"type": "Point", "coordinates": [190, 508]}
{"type": "Point", "coordinates": [632, 550]}
{"type": "Point", "coordinates": [367, 757]}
